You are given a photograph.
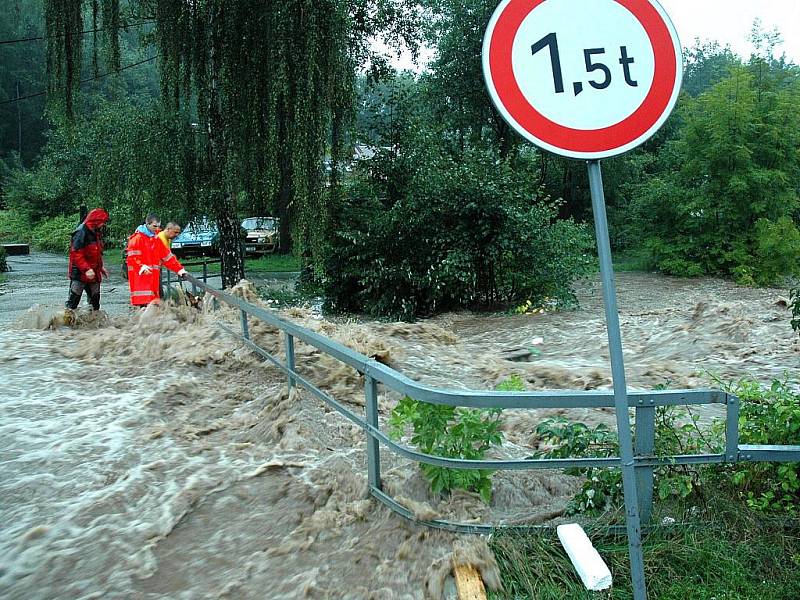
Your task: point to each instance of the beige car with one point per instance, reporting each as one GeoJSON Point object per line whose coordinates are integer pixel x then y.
{"type": "Point", "coordinates": [262, 235]}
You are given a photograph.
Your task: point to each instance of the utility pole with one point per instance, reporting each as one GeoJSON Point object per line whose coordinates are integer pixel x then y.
{"type": "Point", "coordinates": [19, 125]}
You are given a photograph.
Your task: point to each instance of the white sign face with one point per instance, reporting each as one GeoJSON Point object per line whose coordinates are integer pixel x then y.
{"type": "Point", "coordinates": [583, 78]}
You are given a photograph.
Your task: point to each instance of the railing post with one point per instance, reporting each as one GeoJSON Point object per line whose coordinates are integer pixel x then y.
{"type": "Point", "coordinates": [288, 342]}
{"type": "Point", "coordinates": [373, 447]}
{"type": "Point", "coordinates": [205, 271]}
{"type": "Point", "coordinates": [245, 326]}
{"type": "Point", "coordinates": [731, 428]}
{"type": "Point", "coordinates": [644, 445]}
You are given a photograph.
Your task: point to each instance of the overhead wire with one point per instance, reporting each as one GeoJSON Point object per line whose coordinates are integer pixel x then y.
{"type": "Point", "coordinates": [32, 39]}
{"type": "Point", "coordinates": [87, 80]}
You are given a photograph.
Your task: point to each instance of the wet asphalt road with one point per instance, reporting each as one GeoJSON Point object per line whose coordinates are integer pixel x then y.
{"type": "Point", "coordinates": [41, 278]}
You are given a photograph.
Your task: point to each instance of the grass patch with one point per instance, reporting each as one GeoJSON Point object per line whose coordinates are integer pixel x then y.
{"type": "Point", "coordinates": [282, 297]}
{"type": "Point", "coordinates": [276, 263]}
{"type": "Point", "coordinates": [727, 553]}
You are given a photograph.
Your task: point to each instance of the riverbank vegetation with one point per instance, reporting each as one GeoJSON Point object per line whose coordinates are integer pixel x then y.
{"type": "Point", "coordinates": [721, 531]}
{"type": "Point", "coordinates": [718, 549]}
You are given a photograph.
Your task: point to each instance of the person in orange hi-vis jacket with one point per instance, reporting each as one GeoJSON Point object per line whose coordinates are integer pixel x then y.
{"type": "Point", "coordinates": [146, 253]}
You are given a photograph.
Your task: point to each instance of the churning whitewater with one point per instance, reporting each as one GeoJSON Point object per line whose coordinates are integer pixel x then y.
{"type": "Point", "coordinates": [152, 455]}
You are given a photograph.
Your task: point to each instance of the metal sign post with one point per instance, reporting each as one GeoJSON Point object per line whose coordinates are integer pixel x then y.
{"type": "Point", "coordinates": [590, 80]}
{"type": "Point", "coordinates": [629, 487]}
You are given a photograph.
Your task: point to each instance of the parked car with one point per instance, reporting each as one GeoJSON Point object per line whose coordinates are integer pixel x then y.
{"type": "Point", "coordinates": [262, 235]}
{"type": "Point", "coordinates": [200, 238]}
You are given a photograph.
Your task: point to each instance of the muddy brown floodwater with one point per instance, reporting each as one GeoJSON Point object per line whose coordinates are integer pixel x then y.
{"type": "Point", "coordinates": [150, 455]}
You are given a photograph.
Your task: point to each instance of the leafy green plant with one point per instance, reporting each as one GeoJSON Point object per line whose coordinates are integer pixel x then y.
{"type": "Point", "coordinates": [560, 438]}
{"type": "Point", "coordinates": [53, 235]}
{"type": "Point", "coordinates": [513, 383]}
{"type": "Point", "coordinates": [14, 227]}
{"type": "Point", "coordinates": [768, 415]}
{"type": "Point", "coordinates": [677, 432]}
{"type": "Point", "coordinates": [452, 432]}
{"type": "Point", "coordinates": [794, 304]}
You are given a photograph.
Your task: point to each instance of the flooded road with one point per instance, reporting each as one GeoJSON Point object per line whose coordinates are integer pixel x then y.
{"type": "Point", "coordinates": [150, 455]}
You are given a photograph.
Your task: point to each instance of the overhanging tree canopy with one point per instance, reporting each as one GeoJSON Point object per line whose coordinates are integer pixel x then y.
{"type": "Point", "coordinates": [270, 83]}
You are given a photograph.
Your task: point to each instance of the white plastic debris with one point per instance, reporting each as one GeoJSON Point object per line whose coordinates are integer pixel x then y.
{"type": "Point", "coordinates": [591, 568]}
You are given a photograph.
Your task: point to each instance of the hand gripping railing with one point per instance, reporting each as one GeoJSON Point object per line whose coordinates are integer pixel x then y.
{"type": "Point", "coordinates": [644, 403]}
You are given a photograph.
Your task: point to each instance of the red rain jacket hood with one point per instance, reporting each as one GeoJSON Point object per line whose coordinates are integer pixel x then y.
{"type": "Point", "coordinates": [96, 218]}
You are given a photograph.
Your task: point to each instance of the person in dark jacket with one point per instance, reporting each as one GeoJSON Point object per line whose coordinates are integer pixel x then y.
{"type": "Point", "coordinates": [86, 269]}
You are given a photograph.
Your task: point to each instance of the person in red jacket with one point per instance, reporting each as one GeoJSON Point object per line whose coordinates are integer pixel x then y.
{"type": "Point", "coordinates": [146, 254]}
{"type": "Point", "coordinates": [86, 270]}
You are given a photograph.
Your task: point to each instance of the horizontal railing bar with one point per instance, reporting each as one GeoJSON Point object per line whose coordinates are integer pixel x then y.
{"type": "Point", "coordinates": [200, 263]}
{"type": "Point", "coordinates": [485, 529]}
{"type": "Point", "coordinates": [401, 510]}
{"type": "Point", "coordinates": [680, 459]}
{"type": "Point", "coordinates": [766, 453]}
{"type": "Point", "coordinates": [301, 380]}
{"type": "Point", "coordinates": [458, 463]}
{"type": "Point", "coordinates": [467, 398]}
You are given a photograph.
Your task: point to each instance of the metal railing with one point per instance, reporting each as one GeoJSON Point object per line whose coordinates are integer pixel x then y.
{"type": "Point", "coordinates": [644, 404]}
{"type": "Point", "coordinates": [204, 277]}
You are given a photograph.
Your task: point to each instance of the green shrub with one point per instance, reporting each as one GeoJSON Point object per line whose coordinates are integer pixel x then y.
{"type": "Point", "coordinates": [14, 227]}
{"type": "Point", "coordinates": [721, 198]}
{"type": "Point", "coordinates": [778, 250]}
{"type": "Point", "coordinates": [41, 192]}
{"type": "Point", "coordinates": [450, 432]}
{"type": "Point", "coordinates": [768, 415]}
{"type": "Point", "coordinates": [677, 432]}
{"type": "Point", "coordinates": [53, 235]}
{"type": "Point", "coordinates": [512, 384]}
{"type": "Point", "coordinates": [425, 231]}
{"type": "Point", "coordinates": [602, 488]}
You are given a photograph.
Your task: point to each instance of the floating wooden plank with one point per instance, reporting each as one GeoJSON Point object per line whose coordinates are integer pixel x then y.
{"type": "Point", "coordinates": [469, 583]}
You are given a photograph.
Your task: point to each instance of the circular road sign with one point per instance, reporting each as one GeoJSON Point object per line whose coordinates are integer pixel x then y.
{"type": "Point", "coordinates": [583, 78]}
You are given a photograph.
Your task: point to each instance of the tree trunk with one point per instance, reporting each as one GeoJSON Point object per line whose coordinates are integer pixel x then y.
{"type": "Point", "coordinates": [285, 191]}
{"type": "Point", "coordinates": [230, 247]}
{"type": "Point", "coordinates": [223, 201]}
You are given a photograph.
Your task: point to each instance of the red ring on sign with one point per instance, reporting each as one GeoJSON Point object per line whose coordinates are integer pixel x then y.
{"type": "Point", "coordinates": [583, 140]}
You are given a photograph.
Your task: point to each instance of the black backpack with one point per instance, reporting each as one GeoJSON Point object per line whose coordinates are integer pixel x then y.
{"type": "Point", "coordinates": [125, 258]}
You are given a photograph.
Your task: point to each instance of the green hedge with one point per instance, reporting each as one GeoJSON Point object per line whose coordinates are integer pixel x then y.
{"type": "Point", "coordinates": [53, 235]}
